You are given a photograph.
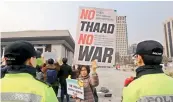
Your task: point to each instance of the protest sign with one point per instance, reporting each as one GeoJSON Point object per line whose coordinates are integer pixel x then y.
{"type": "Point", "coordinates": [75, 87]}
{"type": "Point", "coordinates": [95, 36]}
{"type": "Point", "coordinates": [48, 55]}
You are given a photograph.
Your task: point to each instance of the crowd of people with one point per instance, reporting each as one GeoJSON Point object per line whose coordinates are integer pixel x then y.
{"type": "Point", "coordinates": [26, 64]}
{"type": "Point", "coordinates": [25, 78]}
{"type": "Point", "coordinates": [62, 73]}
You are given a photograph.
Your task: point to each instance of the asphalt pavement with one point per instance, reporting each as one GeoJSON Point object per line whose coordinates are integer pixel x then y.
{"type": "Point", "coordinates": [114, 80]}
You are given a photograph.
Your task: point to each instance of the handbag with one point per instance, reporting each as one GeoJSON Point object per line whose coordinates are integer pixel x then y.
{"type": "Point", "coordinates": [94, 91]}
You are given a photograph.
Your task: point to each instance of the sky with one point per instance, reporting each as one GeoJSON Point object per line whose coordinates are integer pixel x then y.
{"type": "Point", "coordinates": [144, 18]}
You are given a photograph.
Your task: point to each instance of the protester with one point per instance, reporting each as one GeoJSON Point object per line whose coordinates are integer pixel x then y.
{"type": "Point", "coordinates": [150, 83]}
{"type": "Point", "coordinates": [39, 61]}
{"type": "Point", "coordinates": [65, 71]}
{"type": "Point", "coordinates": [52, 75]}
{"type": "Point", "coordinates": [57, 66]}
{"type": "Point", "coordinates": [43, 69]}
{"type": "Point", "coordinates": [90, 93]}
{"type": "Point", "coordinates": [19, 82]}
{"type": "Point", "coordinates": [118, 67]}
{"type": "Point", "coordinates": [39, 73]}
{"type": "Point", "coordinates": [58, 69]}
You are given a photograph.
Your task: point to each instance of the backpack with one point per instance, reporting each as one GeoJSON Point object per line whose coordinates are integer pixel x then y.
{"type": "Point", "coordinates": [51, 77]}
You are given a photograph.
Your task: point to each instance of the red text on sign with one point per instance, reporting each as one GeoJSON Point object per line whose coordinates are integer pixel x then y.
{"type": "Point", "coordinates": [86, 39]}
{"type": "Point", "coordinates": [87, 14]}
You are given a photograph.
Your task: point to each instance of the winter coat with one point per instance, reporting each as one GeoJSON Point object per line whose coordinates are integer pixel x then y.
{"type": "Point", "coordinates": [89, 82]}
{"type": "Point", "coordinates": [65, 71]}
{"type": "Point", "coordinates": [49, 66]}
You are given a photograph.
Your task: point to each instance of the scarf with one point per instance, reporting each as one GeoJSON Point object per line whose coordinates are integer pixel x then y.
{"type": "Point", "coordinates": [82, 78]}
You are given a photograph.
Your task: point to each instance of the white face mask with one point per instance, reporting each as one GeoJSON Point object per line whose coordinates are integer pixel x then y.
{"type": "Point", "coordinates": [135, 62]}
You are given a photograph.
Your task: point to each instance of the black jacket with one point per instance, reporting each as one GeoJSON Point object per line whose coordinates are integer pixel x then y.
{"type": "Point", "coordinates": [148, 69]}
{"type": "Point", "coordinates": [15, 69]}
{"type": "Point", "coordinates": [18, 69]}
{"type": "Point", "coordinates": [65, 71]}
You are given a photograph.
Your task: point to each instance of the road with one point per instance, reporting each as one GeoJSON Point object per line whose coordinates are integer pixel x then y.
{"type": "Point", "coordinates": [113, 80]}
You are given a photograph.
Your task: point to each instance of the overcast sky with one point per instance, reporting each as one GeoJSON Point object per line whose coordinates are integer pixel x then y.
{"type": "Point", "coordinates": [144, 19]}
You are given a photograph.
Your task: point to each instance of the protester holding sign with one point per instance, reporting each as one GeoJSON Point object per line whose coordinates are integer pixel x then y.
{"type": "Point", "coordinates": [90, 82]}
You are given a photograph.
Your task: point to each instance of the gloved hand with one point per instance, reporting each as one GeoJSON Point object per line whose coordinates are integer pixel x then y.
{"type": "Point", "coordinates": [128, 81]}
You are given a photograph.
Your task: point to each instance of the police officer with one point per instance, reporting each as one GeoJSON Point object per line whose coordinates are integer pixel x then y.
{"type": "Point", "coordinates": [19, 82]}
{"type": "Point", "coordinates": [150, 83]}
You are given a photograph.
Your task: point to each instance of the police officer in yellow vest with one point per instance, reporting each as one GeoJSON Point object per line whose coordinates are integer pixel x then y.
{"type": "Point", "coordinates": [150, 83]}
{"type": "Point", "coordinates": [19, 83]}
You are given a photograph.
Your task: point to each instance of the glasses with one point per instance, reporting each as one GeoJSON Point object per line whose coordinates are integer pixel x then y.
{"type": "Point", "coordinates": [84, 70]}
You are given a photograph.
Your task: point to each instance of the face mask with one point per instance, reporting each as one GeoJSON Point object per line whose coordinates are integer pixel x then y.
{"type": "Point", "coordinates": [135, 62]}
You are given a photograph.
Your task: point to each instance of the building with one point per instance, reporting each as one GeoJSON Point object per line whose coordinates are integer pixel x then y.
{"type": "Point", "coordinates": [168, 31]}
{"type": "Point", "coordinates": [121, 36]}
{"type": "Point", "coordinates": [132, 49]}
{"type": "Point", "coordinates": [58, 41]}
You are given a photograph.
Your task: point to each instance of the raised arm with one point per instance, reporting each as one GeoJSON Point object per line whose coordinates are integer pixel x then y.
{"type": "Point", "coordinates": [94, 76]}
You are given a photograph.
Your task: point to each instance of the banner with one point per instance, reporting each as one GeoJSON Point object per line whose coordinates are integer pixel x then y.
{"type": "Point", "coordinates": [96, 31]}
{"type": "Point", "coordinates": [48, 55]}
{"type": "Point", "coordinates": [75, 87]}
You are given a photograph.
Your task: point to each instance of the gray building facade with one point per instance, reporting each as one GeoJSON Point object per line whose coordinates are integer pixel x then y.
{"type": "Point", "coordinates": [57, 41]}
{"type": "Point", "coordinates": [168, 32]}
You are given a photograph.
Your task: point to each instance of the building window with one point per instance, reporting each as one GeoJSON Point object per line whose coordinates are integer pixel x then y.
{"type": "Point", "coordinates": [48, 48]}
{"type": "Point", "coordinates": [66, 53]}
{"type": "Point", "coordinates": [39, 47]}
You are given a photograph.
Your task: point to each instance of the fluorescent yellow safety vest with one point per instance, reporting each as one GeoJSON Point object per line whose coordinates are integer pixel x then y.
{"type": "Point", "coordinates": [149, 88]}
{"type": "Point", "coordinates": [24, 87]}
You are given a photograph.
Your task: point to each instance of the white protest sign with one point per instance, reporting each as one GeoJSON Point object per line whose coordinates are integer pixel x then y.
{"type": "Point", "coordinates": [48, 55]}
{"type": "Point", "coordinates": [96, 30]}
{"type": "Point", "coordinates": [75, 87]}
